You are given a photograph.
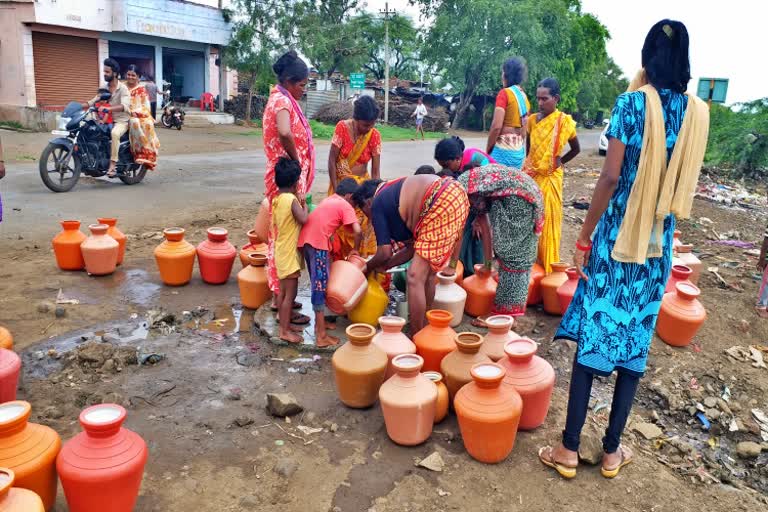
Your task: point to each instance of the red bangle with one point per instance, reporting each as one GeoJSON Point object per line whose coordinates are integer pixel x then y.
{"type": "Point", "coordinates": [583, 248]}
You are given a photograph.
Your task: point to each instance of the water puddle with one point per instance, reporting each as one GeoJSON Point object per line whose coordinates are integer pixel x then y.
{"type": "Point", "coordinates": [39, 360]}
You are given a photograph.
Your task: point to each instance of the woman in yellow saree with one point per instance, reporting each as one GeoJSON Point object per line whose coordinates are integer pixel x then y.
{"type": "Point", "coordinates": [548, 133]}
{"type": "Point", "coordinates": [355, 143]}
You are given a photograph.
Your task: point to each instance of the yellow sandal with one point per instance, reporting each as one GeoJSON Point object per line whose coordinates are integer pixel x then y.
{"type": "Point", "coordinates": [613, 473]}
{"type": "Point", "coordinates": [563, 470]}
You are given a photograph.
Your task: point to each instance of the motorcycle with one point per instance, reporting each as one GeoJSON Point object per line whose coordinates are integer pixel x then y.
{"type": "Point", "coordinates": [82, 145]}
{"type": "Point", "coordinates": [173, 117]}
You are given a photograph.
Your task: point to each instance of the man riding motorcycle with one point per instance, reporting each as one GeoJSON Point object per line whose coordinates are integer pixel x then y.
{"type": "Point", "coordinates": [119, 106]}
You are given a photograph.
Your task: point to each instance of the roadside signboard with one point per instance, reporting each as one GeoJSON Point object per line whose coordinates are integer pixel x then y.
{"type": "Point", "coordinates": [712, 89]}
{"type": "Point", "coordinates": [357, 81]}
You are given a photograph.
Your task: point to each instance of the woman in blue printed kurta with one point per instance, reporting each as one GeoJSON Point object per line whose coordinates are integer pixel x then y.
{"type": "Point", "coordinates": [613, 313]}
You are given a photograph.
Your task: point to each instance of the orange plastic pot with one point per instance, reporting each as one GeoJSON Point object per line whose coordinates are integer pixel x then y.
{"type": "Point", "coordinates": [499, 333]}
{"type": "Point", "coordinates": [532, 377]}
{"type": "Point", "coordinates": [101, 468]}
{"type": "Point", "coordinates": [679, 274]}
{"type": "Point", "coordinates": [100, 251]}
{"type": "Point", "coordinates": [436, 339]}
{"type": "Point", "coordinates": [175, 258]}
{"type": "Point", "coordinates": [680, 316]}
{"type": "Point", "coordinates": [16, 499]}
{"type": "Point", "coordinates": [408, 402]}
{"type": "Point", "coordinates": [443, 400]}
{"type": "Point", "coordinates": [359, 367]}
{"type": "Point", "coordinates": [10, 365]}
{"type": "Point", "coordinates": [66, 246]}
{"type": "Point", "coordinates": [115, 233]}
{"type": "Point", "coordinates": [252, 281]}
{"type": "Point", "coordinates": [216, 256]}
{"type": "Point", "coordinates": [481, 291]}
{"type": "Point", "coordinates": [254, 245]}
{"type": "Point", "coordinates": [549, 286]}
{"type": "Point", "coordinates": [346, 285]}
{"type": "Point", "coordinates": [488, 414]}
{"type": "Point", "coordinates": [29, 450]}
{"type": "Point", "coordinates": [456, 366]}
{"type": "Point", "coordinates": [567, 290]}
{"type": "Point", "coordinates": [534, 285]}
{"type": "Point", "coordinates": [686, 257]}
{"type": "Point", "coordinates": [392, 340]}
{"type": "Point", "coordinates": [261, 226]}
{"type": "Point", "coordinates": [6, 338]}
{"type": "Point", "coordinates": [676, 242]}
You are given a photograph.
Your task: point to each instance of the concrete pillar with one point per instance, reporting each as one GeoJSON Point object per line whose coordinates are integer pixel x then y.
{"type": "Point", "coordinates": [159, 74]}
{"type": "Point", "coordinates": [30, 92]}
{"type": "Point", "coordinates": [103, 54]}
{"type": "Point", "coordinates": [207, 69]}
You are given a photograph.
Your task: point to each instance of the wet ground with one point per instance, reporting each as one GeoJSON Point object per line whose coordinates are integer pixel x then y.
{"type": "Point", "coordinates": [193, 369]}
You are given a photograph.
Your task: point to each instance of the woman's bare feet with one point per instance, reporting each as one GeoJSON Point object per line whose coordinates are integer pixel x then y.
{"type": "Point", "coordinates": [291, 337]}
{"type": "Point", "coordinates": [327, 341]}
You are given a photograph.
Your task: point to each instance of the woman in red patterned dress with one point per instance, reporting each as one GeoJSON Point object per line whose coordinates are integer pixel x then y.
{"type": "Point", "coordinates": [287, 133]}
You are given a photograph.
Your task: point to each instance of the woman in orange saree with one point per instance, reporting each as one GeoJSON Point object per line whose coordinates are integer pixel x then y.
{"type": "Point", "coordinates": [355, 143]}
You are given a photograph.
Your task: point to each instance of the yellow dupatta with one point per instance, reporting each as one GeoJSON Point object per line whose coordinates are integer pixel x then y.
{"type": "Point", "coordinates": [661, 188]}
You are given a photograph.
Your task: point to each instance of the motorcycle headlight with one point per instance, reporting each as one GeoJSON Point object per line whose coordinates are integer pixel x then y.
{"type": "Point", "coordinates": [63, 122]}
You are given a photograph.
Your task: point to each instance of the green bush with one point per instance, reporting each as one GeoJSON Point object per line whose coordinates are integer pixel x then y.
{"type": "Point", "coordinates": [738, 139]}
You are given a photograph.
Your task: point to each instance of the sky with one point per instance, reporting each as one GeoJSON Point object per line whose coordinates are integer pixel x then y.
{"type": "Point", "coordinates": [725, 39]}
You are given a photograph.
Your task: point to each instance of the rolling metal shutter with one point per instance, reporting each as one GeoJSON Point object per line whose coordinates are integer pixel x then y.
{"type": "Point", "coordinates": [66, 68]}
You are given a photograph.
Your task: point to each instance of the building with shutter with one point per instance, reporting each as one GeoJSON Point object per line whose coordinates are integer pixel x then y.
{"type": "Point", "coordinates": [51, 51]}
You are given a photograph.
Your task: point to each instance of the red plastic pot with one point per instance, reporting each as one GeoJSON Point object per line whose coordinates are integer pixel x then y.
{"type": "Point", "coordinates": [680, 274]}
{"type": "Point", "coordinates": [101, 468]}
{"type": "Point", "coordinates": [215, 257]}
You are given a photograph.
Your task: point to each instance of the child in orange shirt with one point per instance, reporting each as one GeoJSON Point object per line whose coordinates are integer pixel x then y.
{"type": "Point", "coordinates": [332, 213]}
{"type": "Point", "coordinates": [288, 215]}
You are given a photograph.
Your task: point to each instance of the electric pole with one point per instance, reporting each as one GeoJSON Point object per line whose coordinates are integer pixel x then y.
{"type": "Point", "coordinates": [386, 12]}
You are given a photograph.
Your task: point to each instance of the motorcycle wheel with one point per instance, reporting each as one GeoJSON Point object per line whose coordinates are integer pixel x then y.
{"type": "Point", "coordinates": [165, 119]}
{"type": "Point", "coordinates": [133, 174]}
{"type": "Point", "coordinates": [51, 172]}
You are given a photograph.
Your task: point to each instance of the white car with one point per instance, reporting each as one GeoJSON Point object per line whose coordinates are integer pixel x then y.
{"type": "Point", "coordinates": [602, 145]}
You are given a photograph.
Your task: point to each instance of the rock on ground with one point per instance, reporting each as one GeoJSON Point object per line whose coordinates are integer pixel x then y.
{"type": "Point", "coordinates": [648, 430]}
{"type": "Point", "coordinates": [591, 448]}
{"type": "Point", "coordinates": [434, 462]}
{"type": "Point", "coordinates": [748, 450]}
{"type": "Point", "coordinates": [283, 404]}
{"type": "Point", "coordinates": [286, 467]}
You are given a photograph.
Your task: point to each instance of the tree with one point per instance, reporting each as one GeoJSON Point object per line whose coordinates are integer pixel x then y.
{"type": "Point", "coordinates": [403, 47]}
{"type": "Point", "coordinates": [250, 49]}
{"type": "Point", "coordinates": [738, 138]}
{"type": "Point", "coordinates": [331, 33]}
{"type": "Point", "coordinates": [470, 39]}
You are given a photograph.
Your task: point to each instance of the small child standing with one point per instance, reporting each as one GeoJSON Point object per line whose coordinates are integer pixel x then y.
{"type": "Point", "coordinates": [288, 215]}
{"type": "Point", "coordinates": [332, 213]}
{"type": "Point", "coordinates": [762, 265]}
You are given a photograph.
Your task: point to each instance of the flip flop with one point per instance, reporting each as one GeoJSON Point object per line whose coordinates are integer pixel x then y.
{"type": "Point", "coordinates": [300, 319]}
{"type": "Point", "coordinates": [564, 471]}
{"type": "Point", "coordinates": [296, 305]}
{"type": "Point", "coordinates": [480, 322]}
{"type": "Point", "coordinates": [612, 473]}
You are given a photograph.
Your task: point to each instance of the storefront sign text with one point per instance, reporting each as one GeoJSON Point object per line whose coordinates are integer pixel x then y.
{"type": "Point", "coordinates": [161, 29]}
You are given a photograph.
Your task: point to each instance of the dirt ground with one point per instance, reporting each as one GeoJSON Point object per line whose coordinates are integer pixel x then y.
{"type": "Point", "coordinates": [213, 447]}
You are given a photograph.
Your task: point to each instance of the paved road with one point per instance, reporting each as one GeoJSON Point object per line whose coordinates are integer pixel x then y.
{"type": "Point", "coordinates": [182, 184]}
